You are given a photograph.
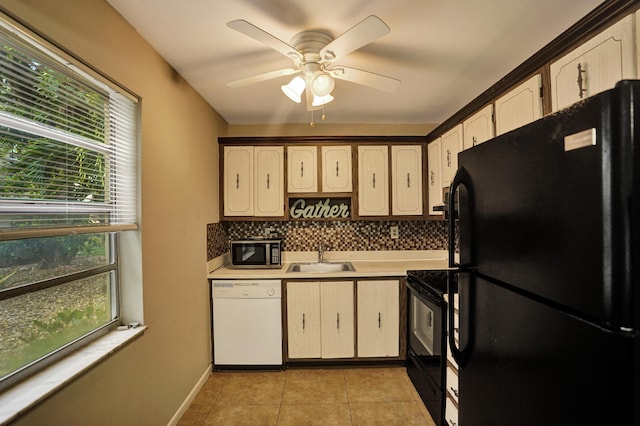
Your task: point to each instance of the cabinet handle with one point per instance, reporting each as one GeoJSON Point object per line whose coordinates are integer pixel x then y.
{"type": "Point", "coordinates": [374, 181]}
{"type": "Point", "coordinates": [455, 391]}
{"type": "Point", "coordinates": [338, 320]}
{"type": "Point", "coordinates": [268, 180]}
{"type": "Point", "coordinates": [302, 169]}
{"type": "Point", "coordinates": [451, 422]}
{"type": "Point", "coordinates": [433, 178]}
{"type": "Point", "coordinates": [379, 320]}
{"type": "Point", "coordinates": [448, 158]}
{"type": "Point", "coordinates": [430, 319]}
{"type": "Point", "coordinates": [580, 80]}
{"type": "Point", "coordinates": [303, 321]}
{"type": "Point", "coordinates": [408, 180]}
{"type": "Point", "coordinates": [237, 180]}
{"type": "Point", "coordinates": [337, 169]}
{"type": "Point", "coordinates": [474, 141]}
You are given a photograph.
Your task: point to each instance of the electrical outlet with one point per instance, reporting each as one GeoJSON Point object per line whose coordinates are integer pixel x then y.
{"type": "Point", "coordinates": [394, 231]}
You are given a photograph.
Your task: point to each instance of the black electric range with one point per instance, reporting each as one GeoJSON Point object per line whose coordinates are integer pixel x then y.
{"type": "Point", "coordinates": [427, 337]}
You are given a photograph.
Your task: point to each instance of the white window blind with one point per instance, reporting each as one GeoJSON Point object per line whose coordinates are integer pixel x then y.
{"type": "Point", "coordinates": [68, 150]}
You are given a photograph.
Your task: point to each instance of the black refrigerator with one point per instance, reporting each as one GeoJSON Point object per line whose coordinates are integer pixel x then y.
{"type": "Point", "coordinates": [548, 234]}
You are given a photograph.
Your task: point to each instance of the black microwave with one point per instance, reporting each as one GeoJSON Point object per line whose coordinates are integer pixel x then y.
{"type": "Point", "coordinates": [256, 254]}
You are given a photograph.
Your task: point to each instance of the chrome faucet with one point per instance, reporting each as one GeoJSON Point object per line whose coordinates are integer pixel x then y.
{"type": "Point", "coordinates": [321, 250]}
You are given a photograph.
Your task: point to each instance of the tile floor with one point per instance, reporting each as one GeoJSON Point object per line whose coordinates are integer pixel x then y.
{"type": "Point", "coordinates": [362, 396]}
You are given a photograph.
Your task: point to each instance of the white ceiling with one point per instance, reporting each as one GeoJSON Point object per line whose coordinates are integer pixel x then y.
{"type": "Point", "coordinates": [445, 52]}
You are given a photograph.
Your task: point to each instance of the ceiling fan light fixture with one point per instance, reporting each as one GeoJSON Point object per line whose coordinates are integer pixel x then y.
{"type": "Point", "coordinates": [321, 100]}
{"type": "Point", "coordinates": [294, 89]}
{"type": "Point", "coordinates": [321, 83]}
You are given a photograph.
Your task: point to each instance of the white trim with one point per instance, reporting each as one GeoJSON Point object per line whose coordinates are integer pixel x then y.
{"type": "Point", "coordinates": [22, 397]}
{"type": "Point", "coordinates": [192, 395]}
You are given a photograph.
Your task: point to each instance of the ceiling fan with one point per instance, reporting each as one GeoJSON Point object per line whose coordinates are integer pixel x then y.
{"type": "Point", "coordinates": [313, 53]}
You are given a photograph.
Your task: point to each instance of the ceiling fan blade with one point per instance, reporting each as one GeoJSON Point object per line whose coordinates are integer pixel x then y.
{"type": "Point", "coordinates": [366, 78]}
{"type": "Point", "coordinates": [262, 77]}
{"type": "Point", "coordinates": [262, 36]}
{"type": "Point", "coordinates": [369, 29]}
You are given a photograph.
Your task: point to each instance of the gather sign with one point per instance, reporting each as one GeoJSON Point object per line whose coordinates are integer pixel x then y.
{"type": "Point", "coordinates": [319, 208]}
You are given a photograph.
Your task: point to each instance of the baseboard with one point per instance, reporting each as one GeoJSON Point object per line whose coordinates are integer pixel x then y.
{"type": "Point", "coordinates": [192, 395]}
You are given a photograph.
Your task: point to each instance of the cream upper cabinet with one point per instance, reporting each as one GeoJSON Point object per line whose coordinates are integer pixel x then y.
{"type": "Point", "coordinates": [337, 319]}
{"type": "Point", "coordinates": [479, 127]}
{"type": "Point", "coordinates": [254, 181]}
{"type": "Point", "coordinates": [378, 318]}
{"type": "Point", "coordinates": [303, 320]}
{"type": "Point", "coordinates": [268, 181]}
{"type": "Point", "coordinates": [406, 180]}
{"type": "Point", "coordinates": [302, 169]}
{"type": "Point", "coordinates": [595, 66]}
{"type": "Point", "coordinates": [373, 180]}
{"type": "Point", "coordinates": [434, 176]}
{"type": "Point", "coordinates": [336, 168]}
{"type": "Point", "coordinates": [520, 106]}
{"type": "Point", "coordinates": [452, 143]}
{"type": "Point", "coordinates": [238, 181]}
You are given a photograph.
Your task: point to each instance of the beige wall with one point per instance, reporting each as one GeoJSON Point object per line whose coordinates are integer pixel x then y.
{"type": "Point", "coordinates": [145, 383]}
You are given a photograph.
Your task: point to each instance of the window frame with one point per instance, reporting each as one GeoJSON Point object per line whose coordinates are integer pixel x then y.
{"type": "Point", "coordinates": [116, 241]}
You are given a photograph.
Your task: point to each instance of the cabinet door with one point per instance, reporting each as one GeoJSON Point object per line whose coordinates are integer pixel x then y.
{"type": "Point", "coordinates": [434, 176]}
{"type": "Point", "coordinates": [336, 168]}
{"type": "Point", "coordinates": [337, 316]}
{"type": "Point", "coordinates": [269, 181]}
{"type": "Point", "coordinates": [378, 318]}
{"type": "Point", "coordinates": [479, 127]}
{"type": "Point", "coordinates": [406, 172]}
{"type": "Point", "coordinates": [302, 168]}
{"type": "Point", "coordinates": [373, 182]}
{"type": "Point", "coordinates": [238, 181]}
{"type": "Point", "coordinates": [451, 146]}
{"type": "Point", "coordinates": [303, 319]}
{"type": "Point", "coordinates": [520, 106]}
{"type": "Point", "coordinates": [595, 66]}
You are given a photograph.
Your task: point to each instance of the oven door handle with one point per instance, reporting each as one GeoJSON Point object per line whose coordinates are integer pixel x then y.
{"type": "Point", "coordinates": [460, 354]}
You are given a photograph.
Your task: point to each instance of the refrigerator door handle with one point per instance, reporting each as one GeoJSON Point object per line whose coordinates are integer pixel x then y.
{"type": "Point", "coordinates": [461, 179]}
{"type": "Point", "coordinates": [459, 354]}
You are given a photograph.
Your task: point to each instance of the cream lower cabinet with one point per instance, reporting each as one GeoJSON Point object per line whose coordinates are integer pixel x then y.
{"type": "Point", "coordinates": [373, 181]}
{"type": "Point", "coordinates": [320, 319]}
{"type": "Point", "coordinates": [378, 318]}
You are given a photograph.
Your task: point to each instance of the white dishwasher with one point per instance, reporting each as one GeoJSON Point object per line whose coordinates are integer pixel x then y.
{"type": "Point", "coordinates": [247, 322]}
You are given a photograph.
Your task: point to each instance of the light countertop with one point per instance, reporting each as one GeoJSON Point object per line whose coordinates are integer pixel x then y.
{"type": "Point", "coordinates": [366, 264]}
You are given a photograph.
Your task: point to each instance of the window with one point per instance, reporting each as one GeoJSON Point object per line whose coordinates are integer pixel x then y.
{"type": "Point", "coordinates": [68, 192]}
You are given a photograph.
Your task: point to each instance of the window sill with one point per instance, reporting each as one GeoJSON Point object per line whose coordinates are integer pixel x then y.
{"type": "Point", "coordinates": [18, 399]}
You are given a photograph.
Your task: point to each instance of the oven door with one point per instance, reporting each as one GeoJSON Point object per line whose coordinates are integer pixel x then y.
{"type": "Point", "coordinates": [426, 322]}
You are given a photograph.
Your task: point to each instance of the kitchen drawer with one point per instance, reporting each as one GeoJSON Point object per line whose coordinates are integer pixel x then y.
{"type": "Point", "coordinates": [452, 384]}
{"type": "Point", "coordinates": [451, 413]}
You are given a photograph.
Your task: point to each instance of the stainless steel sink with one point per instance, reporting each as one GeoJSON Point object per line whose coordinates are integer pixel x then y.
{"type": "Point", "coordinates": [316, 267]}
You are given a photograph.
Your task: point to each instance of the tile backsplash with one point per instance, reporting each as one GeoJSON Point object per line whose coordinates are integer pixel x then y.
{"type": "Point", "coordinates": [357, 235]}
